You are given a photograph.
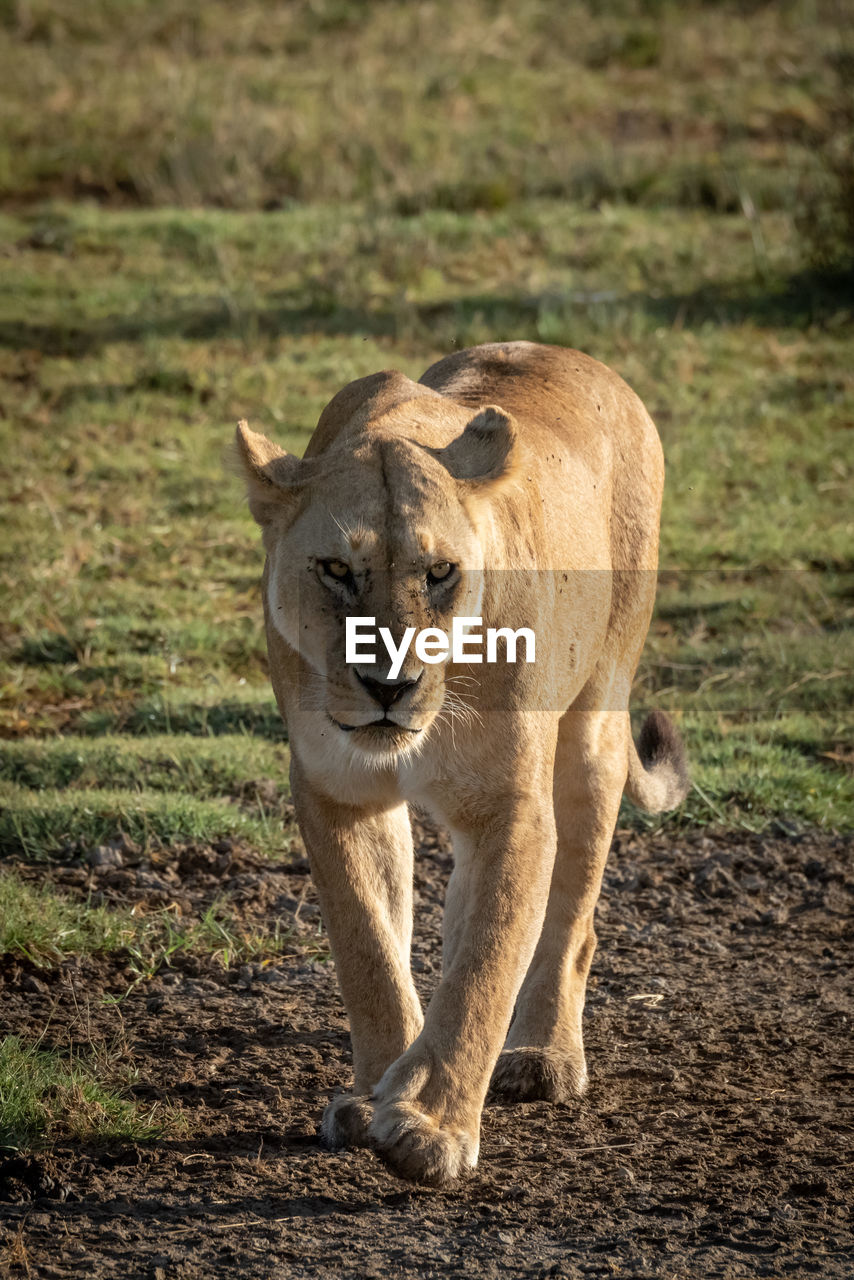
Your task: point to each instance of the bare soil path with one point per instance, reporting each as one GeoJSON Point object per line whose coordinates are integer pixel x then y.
{"type": "Point", "coordinates": [715, 1139]}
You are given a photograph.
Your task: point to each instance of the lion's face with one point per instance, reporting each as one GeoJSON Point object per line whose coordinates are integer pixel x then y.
{"type": "Point", "coordinates": [410, 561]}
{"type": "Point", "coordinates": [382, 530]}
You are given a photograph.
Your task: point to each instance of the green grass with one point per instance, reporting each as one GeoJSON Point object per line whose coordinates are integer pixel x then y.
{"type": "Point", "coordinates": [46, 1094]}
{"type": "Point", "coordinates": [741, 772]}
{"type": "Point", "coordinates": [631, 181]}
{"type": "Point", "coordinates": [45, 926]}
{"type": "Point", "coordinates": [458, 106]}
{"type": "Point", "coordinates": [203, 767]}
{"type": "Point", "coordinates": [62, 823]}
{"type": "Point", "coordinates": [758, 670]}
{"type": "Point", "coordinates": [130, 568]}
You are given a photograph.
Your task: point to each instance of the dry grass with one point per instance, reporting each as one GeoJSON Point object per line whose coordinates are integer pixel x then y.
{"type": "Point", "coordinates": [459, 105]}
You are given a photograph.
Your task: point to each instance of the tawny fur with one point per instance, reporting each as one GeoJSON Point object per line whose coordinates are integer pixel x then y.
{"type": "Point", "coordinates": [539, 473]}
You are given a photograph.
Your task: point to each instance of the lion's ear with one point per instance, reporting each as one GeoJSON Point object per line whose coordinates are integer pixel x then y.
{"type": "Point", "coordinates": [484, 455]}
{"type": "Point", "coordinates": [271, 475]}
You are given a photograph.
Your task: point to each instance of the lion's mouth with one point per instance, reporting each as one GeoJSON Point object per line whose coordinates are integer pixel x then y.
{"type": "Point", "coordinates": [383, 723]}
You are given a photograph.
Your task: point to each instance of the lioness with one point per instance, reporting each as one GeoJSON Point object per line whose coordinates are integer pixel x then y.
{"type": "Point", "coordinates": [520, 484]}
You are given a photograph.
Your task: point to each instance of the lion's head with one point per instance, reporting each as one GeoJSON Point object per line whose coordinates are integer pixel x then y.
{"type": "Point", "coordinates": [389, 522]}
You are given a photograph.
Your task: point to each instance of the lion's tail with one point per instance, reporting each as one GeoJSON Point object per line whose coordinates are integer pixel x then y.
{"type": "Point", "coordinates": [658, 767]}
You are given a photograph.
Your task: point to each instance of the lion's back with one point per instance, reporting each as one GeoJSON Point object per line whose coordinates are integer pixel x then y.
{"type": "Point", "coordinates": [565, 398]}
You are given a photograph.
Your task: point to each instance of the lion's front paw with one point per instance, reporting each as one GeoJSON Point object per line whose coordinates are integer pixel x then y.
{"type": "Point", "coordinates": [532, 1075]}
{"type": "Point", "coordinates": [345, 1122]}
{"type": "Point", "coordinates": [417, 1147]}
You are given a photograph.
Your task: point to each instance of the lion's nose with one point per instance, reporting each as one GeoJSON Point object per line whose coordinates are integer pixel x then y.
{"type": "Point", "coordinates": [386, 692]}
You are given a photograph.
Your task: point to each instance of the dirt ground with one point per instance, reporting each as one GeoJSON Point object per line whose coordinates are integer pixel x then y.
{"type": "Point", "coordinates": [713, 1140]}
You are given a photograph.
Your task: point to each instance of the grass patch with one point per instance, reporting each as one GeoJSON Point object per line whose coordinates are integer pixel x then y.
{"type": "Point", "coordinates": [632, 183]}
{"type": "Point", "coordinates": [129, 576]}
{"type": "Point", "coordinates": [217, 935]}
{"type": "Point", "coordinates": [45, 1095]}
{"type": "Point", "coordinates": [758, 669]}
{"type": "Point", "coordinates": [60, 824]}
{"type": "Point", "coordinates": [45, 926]}
{"type": "Point", "coordinates": [202, 767]}
{"type": "Point", "coordinates": [740, 772]}
{"type": "Point", "coordinates": [454, 106]}
{"type": "Point", "coordinates": [130, 573]}
{"type": "Point", "coordinates": [197, 713]}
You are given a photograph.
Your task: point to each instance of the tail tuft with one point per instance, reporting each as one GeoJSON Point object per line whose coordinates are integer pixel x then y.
{"type": "Point", "coordinates": [658, 768]}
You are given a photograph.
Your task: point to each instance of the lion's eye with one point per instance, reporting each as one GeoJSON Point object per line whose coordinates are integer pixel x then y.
{"type": "Point", "coordinates": [441, 570]}
{"type": "Point", "coordinates": [337, 570]}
